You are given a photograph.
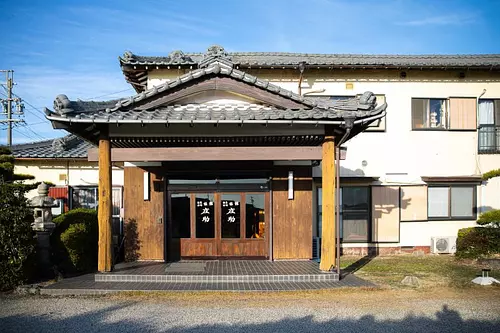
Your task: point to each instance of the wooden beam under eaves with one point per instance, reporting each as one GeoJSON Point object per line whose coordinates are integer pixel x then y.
{"type": "Point", "coordinates": [288, 153]}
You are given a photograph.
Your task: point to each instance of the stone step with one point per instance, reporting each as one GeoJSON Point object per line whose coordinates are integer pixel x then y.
{"type": "Point", "coordinates": [200, 278]}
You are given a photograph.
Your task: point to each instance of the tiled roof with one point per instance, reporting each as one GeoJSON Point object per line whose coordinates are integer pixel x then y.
{"type": "Point", "coordinates": [208, 112]}
{"type": "Point", "coordinates": [127, 110]}
{"type": "Point", "coordinates": [69, 146]}
{"type": "Point", "coordinates": [214, 68]}
{"type": "Point", "coordinates": [272, 59]}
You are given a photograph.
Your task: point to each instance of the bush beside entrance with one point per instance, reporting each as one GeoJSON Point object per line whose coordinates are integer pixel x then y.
{"type": "Point", "coordinates": [75, 241]}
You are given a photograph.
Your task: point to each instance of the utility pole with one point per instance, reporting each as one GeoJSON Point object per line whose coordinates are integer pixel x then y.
{"type": "Point", "coordinates": [7, 105]}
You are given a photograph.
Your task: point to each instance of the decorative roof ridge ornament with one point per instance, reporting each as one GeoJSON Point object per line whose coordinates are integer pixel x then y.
{"type": "Point", "coordinates": [62, 104]}
{"type": "Point", "coordinates": [61, 144]}
{"type": "Point", "coordinates": [365, 102]}
{"type": "Point", "coordinates": [178, 56]}
{"type": "Point", "coordinates": [216, 53]}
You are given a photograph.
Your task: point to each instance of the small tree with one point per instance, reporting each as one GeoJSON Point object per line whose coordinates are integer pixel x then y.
{"type": "Point", "coordinates": [490, 219]}
{"type": "Point", "coordinates": [16, 235]}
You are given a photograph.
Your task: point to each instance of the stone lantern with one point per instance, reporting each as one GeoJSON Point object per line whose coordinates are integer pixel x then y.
{"type": "Point", "coordinates": [43, 226]}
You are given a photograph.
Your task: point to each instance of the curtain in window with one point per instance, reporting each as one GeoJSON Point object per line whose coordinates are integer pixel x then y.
{"type": "Point", "coordinates": [463, 113]}
{"type": "Point", "coordinates": [486, 112]}
{"type": "Point", "coordinates": [419, 114]}
{"type": "Point", "coordinates": [486, 133]}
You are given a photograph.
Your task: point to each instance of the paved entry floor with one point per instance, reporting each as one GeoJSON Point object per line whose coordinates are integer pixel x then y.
{"type": "Point", "coordinates": [219, 267]}
{"type": "Point", "coordinates": [234, 275]}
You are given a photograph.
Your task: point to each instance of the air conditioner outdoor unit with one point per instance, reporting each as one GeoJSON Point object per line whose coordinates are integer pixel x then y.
{"type": "Point", "coordinates": [316, 248]}
{"type": "Point", "coordinates": [447, 244]}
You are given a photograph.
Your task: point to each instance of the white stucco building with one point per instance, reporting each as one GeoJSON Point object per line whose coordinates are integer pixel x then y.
{"type": "Point", "coordinates": [413, 176]}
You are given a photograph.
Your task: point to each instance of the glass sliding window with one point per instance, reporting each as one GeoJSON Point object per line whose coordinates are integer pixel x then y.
{"type": "Point", "coordinates": [428, 113]}
{"type": "Point", "coordinates": [438, 204]}
{"type": "Point", "coordinates": [230, 215]}
{"type": "Point", "coordinates": [451, 202]}
{"type": "Point", "coordinates": [255, 215]}
{"type": "Point", "coordinates": [462, 201]}
{"type": "Point", "coordinates": [181, 215]}
{"type": "Point", "coordinates": [355, 213]}
{"type": "Point", "coordinates": [84, 197]}
{"type": "Point", "coordinates": [489, 126]}
{"type": "Point", "coordinates": [205, 215]}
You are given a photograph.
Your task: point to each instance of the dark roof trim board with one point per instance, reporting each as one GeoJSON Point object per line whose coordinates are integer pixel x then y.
{"type": "Point", "coordinates": [452, 179]}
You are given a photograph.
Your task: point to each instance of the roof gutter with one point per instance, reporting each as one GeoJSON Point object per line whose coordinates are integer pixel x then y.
{"type": "Point", "coordinates": [195, 121]}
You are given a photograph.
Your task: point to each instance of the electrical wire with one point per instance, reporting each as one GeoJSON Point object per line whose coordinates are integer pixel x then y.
{"type": "Point", "coordinates": [117, 92]}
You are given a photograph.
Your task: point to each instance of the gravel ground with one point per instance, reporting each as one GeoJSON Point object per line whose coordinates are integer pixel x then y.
{"type": "Point", "coordinates": [360, 311]}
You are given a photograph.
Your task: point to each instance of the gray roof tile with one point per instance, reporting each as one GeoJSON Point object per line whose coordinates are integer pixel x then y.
{"type": "Point", "coordinates": [270, 59]}
{"type": "Point", "coordinates": [69, 146]}
{"type": "Point", "coordinates": [225, 113]}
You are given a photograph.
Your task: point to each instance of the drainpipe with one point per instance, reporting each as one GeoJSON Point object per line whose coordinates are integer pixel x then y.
{"type": "Point", "coordinates": [302, 68]}
{"type": "Point", "coordinates": [349, 124]}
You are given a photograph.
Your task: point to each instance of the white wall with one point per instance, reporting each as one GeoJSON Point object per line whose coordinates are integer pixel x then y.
{"type": "Point", "coordinates": [76, 172]}
{"type": "Point", "coordinates": [420, 233]}
{"type": "Point", "coordinates": [400, 155]}
{"type": "Point", "coordinates": [399, 150]}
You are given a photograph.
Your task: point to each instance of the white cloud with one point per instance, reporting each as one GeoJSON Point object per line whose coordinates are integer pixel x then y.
{"type": "Point", "coordinates": [452, 19]}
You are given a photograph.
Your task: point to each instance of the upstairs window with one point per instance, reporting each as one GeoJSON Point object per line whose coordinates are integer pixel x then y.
{"type": "Point", "coordinates": [427, 113]}
{"type": "Point", "coordinates": [444, 114]}
{"type": "Point", "coordinates": [489, 126]}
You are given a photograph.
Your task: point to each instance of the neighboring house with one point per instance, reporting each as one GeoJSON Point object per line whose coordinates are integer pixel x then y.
{"type": "Point", "coordinates": [63, 162]}
{"type": "Point", "coordinates": [409, 176]}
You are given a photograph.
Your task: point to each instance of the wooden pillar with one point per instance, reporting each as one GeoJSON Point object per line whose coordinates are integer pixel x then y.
{"type": "Point", "coordinates": [328, 202]}
{"type": "Point", "coordinates": [104, 261]}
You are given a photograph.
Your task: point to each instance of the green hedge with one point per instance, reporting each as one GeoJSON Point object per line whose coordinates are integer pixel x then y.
{"type": "Point", "coordinates": [74, 241]}
{"type": "Point", "coordinates": [478, 242]}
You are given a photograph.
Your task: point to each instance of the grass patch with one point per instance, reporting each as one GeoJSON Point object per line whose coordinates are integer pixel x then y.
{"type": "Point", "coordinates": [433, 271]}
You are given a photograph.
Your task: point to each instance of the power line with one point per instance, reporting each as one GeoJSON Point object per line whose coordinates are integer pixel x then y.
{"type": "Point", "coordinates": [35, 133]}
{"type": "Point", "coordinates": [117, 92]}
{"type": "Point", "coordinates": [23, 134]}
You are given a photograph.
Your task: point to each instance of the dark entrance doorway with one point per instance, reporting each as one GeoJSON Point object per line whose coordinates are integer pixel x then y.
{"type": "Point", "coordinates": [225, 219]}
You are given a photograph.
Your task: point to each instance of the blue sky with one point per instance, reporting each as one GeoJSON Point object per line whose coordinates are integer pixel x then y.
{"type": "Point", "coordinates": [71, 47]}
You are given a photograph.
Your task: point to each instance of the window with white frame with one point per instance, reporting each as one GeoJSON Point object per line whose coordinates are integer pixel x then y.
{"type": "Point", "coordinates": [451, 202]}
{"type": "Point", "coordinates": [489, 126]}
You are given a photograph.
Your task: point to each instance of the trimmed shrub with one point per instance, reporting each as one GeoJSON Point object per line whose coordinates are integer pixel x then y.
{"type": "Point", "coordinates": [80, 241]}
{"type": "Point", "coordinates": [74, 241]}
{"type": "Point", "coordinates": [491, 218]}
{"type": "Point", "coordinates": [478, 242]}
{"type": "Point", "coordinates": [17, 243]}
